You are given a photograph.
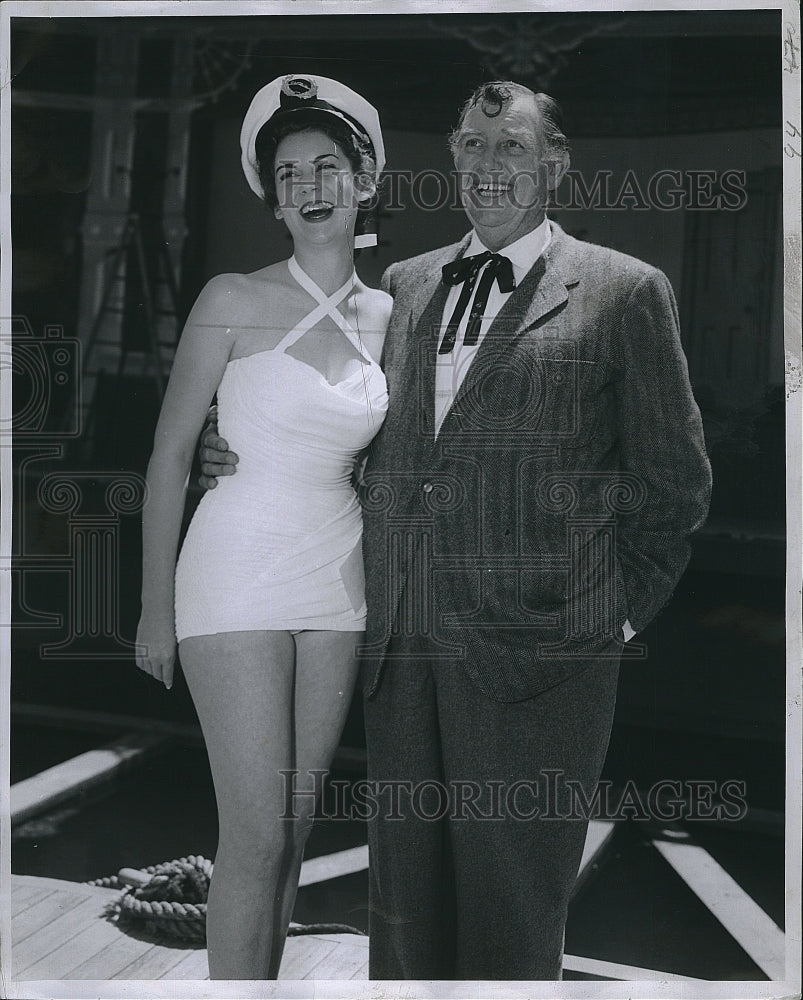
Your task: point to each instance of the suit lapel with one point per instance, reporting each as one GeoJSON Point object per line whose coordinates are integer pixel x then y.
{"type": "Point", "coordinates": [424, 330]}
{"type": "Point", "coordinates": [430, 328]}
{"type": "Point", "coordinates": [431, 297]}
{"type": "Point", "coordinates": [416, 376]}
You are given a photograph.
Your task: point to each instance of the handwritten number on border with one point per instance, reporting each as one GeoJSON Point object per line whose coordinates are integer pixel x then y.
{"type": "Point", "coordinates": [792, 148]}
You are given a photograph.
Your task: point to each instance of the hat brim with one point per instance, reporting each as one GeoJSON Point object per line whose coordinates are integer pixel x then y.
{"type": "Point", "coordinates": [314, 116]}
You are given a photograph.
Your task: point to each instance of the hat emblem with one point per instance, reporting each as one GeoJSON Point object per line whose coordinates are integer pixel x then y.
{"type": "Point", "coordinates": [300, 87]}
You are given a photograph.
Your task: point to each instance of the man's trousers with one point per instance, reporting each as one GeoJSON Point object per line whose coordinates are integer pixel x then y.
{"type": "Point", "coordinates": [481, 817]}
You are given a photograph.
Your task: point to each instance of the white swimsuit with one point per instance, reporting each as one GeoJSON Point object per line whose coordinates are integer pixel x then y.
{"type": "Point", "coordinates": [278, 544]}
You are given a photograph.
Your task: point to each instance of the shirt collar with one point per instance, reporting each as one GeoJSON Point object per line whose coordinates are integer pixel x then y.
{"type": "Point", "coordinates": [522, 253]}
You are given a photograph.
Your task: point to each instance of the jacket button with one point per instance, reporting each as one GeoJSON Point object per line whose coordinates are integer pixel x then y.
{"type": "Point", "coordinates": [427, 487]}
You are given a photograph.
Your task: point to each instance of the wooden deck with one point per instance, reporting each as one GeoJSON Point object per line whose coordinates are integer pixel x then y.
{"type": "Point", "coordinates": [59, 931]}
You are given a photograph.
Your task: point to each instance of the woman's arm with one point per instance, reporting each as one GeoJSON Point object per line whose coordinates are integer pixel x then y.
{"type": "Point", "coordinates": [200, 361]}
{"type": "Point", "coordinates": [375, 324]}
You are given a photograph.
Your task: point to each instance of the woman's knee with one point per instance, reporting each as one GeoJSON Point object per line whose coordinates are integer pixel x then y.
{"type": "Point", "coordinates": [266, 842]}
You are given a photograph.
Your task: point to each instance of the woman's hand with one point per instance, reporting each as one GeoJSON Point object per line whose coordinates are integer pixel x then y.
{"type": "Point", "coordinates": [157, 654]}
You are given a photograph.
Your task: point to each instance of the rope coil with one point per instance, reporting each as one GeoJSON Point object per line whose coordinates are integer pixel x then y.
{"type": "Point", "coordinates": [168, 900]}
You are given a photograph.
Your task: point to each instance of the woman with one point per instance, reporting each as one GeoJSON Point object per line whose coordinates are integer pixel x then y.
{"type": "Point", "coordinates": [268, 589]}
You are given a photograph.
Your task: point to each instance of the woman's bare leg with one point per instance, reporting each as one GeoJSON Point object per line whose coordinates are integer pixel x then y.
{"type": "Point", "coordinates": [326, 670]}
{"type": "Point", "coordinates": [242, 686]}
{"type": "Point", "coordinates": [267, 705]}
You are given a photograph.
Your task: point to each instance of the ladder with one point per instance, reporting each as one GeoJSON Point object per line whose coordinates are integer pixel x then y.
{"type": "Point", "coordinates": [125, 260]}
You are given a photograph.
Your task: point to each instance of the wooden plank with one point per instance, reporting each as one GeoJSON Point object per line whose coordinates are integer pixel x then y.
{"type": "Point", "coordinates": [343, 962]}
{"type": "Point", "coordinates": [111, 959]}
{"type": "Point", "coordinates": [66, 957]}
{"type": "Point", "coordinates": [157, 963]}
{"type": "Point", "coordinates": [23, 896]}
{"type": "Point", "coordinates": [55, 784]}
{"type": "Point", "coordinates": [81, 913]}
{"type": "Point", "coordinates": [328, 866]}
{"type": "Point", "coordinates": [302, 954]}
{"type": "Point", "coordinates": [739, 914]}
{"type": "Point", "coordinates": [28, 891]}
{"type": "Point", "coordinates": [35, 917]}
{"type": "Point", "coordinates": [615, 970]}
{"type": "Point", "coordinates": [38, 882]}
{"type": "Point", "coordinates": [20, 891]}
{"type": "Point", "coordinates": [340, 956]}
{"type": "Point", "coordinates": [67, 937]}
{"type": "Point", "coordinates": [306, 956]}
{"type": "Point", "coordinates": [195, 967]}
{"type": "Point", "coordinates": [328, 956]}
{"type": "Point", "coordinates": [358, 940]}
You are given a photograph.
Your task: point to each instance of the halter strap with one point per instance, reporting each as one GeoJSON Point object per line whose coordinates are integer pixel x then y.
{"type": "Point", "coordinates": [327, 306]}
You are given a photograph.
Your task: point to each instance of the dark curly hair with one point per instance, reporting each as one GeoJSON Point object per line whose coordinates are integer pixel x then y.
{"type": "Point", "coordinates": [358, 150]}
{"type": "Point", "coordinates": [495, 94]}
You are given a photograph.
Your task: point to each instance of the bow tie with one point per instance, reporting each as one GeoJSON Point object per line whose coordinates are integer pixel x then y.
{"type": "Point", "coordinates": [465, 270]}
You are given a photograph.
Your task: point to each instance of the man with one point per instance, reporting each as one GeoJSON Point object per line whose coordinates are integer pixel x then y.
{"type": "Point", "coordinates": [527, 507]}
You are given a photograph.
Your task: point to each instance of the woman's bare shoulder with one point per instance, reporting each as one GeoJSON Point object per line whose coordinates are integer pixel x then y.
{"type": "Point", "coordinates": [379, 305]}
{"type": "Point", "coordinates": [232, 297]}
{"type": "Point", "coordinates": [229, 285]}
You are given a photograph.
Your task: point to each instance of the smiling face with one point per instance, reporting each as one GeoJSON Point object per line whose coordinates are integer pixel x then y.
{"type": "Point", "coordinates": [316, 190]}
{"type": "Point", "coordinates": [506, 171]}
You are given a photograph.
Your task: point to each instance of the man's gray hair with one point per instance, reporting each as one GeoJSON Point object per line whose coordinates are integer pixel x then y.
{"type": "Point", "coordinates": [497, 93]}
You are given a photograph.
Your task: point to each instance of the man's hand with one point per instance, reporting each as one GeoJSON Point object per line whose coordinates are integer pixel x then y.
{"type": "Point", "coordinates": [216, 459]}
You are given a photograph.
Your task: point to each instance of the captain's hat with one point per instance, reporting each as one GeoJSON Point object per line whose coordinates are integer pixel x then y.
{"type": "Point", "coordinates": [316, 98]}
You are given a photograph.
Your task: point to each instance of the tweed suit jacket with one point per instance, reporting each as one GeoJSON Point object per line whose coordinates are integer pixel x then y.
{"type": "Point", "coordinates": [558, 498]}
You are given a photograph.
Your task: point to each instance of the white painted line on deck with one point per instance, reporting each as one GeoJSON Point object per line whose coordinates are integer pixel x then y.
{"type": "Point", "coordinates": [739, 914]}
{"type": "Point", "coordinates": [334, 865]}
{"type": "Point", "coordinates": [54, 785]}
{"type": "Point", "coordinates": [599, 833]}
{"type": "Point", "coordinates": [614, 970]}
